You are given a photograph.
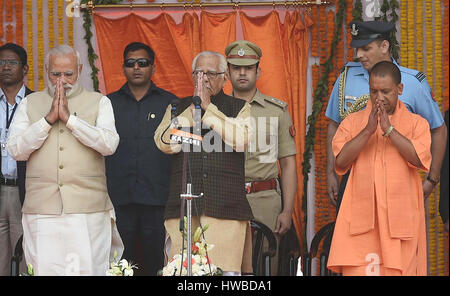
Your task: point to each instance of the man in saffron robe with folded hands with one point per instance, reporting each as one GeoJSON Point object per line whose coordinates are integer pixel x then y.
{"type": "Point", "coordinates": [380, 228]}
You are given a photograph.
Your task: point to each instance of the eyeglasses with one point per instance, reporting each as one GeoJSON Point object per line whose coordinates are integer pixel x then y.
{"type": "Point", "coordinates": [59, 74]}
{"type": "Point", "coordinates": [11, 63]}
{"type": "Point", "coordinates": [209, 74]}
{"type": "Point", "coordinates": [142, 63]}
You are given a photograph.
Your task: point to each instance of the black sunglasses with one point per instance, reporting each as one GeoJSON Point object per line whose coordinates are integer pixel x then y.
{"type": "Point", "coordinates": [142, 63]}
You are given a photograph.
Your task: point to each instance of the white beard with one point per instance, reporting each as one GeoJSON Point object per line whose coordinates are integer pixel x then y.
{"type": "Point", "coordinates": [69, 88]}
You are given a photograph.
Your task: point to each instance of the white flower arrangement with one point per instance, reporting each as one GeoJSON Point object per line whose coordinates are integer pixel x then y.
{"type": "Point", "coordinates": [201, 263]}
{"type": "Point", "coordinates": [30, 271]}
{"type": "Point", "coordinates": [121, 268]}
{"type": "Point", "coordinates": [118, 268]}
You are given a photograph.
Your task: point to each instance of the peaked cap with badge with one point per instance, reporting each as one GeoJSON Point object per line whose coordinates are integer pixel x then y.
{"type": "Point", "coordinates": [243, 53]}
{"type": "Point", "coordinates": [365, 32]}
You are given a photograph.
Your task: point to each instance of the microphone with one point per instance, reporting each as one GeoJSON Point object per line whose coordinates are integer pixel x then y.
{"type": "Point", "coordinates": [197, 116]}
{"type": "Point", "coordinates": [197, 102]}
{"type": "Point", "coordinates": [173, 111]}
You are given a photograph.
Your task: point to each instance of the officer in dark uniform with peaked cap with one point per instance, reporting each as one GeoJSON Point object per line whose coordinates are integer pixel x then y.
{"type": "Point", "coordinates": [351, 92]}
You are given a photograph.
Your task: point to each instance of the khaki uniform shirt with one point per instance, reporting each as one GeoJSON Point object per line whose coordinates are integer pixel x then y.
{"type": "Point", "coordinates": [273, 139]}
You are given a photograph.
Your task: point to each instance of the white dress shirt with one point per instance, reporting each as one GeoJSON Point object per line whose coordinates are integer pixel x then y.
{"type": "Point", "coordinates": [9, 165]}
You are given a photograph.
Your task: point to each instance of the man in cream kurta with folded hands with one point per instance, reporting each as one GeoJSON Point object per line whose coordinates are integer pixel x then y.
{"type": "Point", "coordinates": [63, 132]}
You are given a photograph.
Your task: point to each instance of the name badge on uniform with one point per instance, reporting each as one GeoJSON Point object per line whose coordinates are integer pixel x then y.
{"type": "Point", "coordinates": [349, 100]}
{"type": "Point", "coordinates": [4, 149]}
{"type": "Point", "coordinates": [3, 143]}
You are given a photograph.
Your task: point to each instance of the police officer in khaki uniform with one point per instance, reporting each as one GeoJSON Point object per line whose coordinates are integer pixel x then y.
{"type": "Point", "coordinates": [273, 140]}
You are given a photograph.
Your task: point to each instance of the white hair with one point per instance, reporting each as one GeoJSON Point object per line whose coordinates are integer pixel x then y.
{"type": "Point", "coordinates": [222, 60]}
{"type": "Point", "coordinates": [60, 50]}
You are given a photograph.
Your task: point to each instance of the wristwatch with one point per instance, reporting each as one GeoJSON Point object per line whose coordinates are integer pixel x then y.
{"type": "Point", "coordinates": [433, 181]}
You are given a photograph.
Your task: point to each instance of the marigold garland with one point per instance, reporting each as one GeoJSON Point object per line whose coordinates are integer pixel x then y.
{"type": "Point", "coordinates": [438, 96]}
{"type": "Point", "coordinates": [60, 9]}
{"type": "Point", "coordinates": [445, 49]}
{"type": "Point", "coordinates": [9, 34]}
{"type": "Point", "coordinates": [51, 24]}
{"type": "Point", "coordinates": [30, 52]}
{"type": "Point", "coordinates": [323, 32]}
{"type": "Point", "coordinates": [19, 22]}
{"type": "Point", "coordinates": [2, 4]}
{"type": "Point", "coordinates": [330, 33]}
{"type": "Point", "coordinates": [40, 40]}
{"type": "Point", "coordinates": [9, 12]}
{"type": "Point", "coordinates": [315, 75]}
{"type": "Point", "coordinates": [438, 53]}
{"type": "Point", "coordinates": [320, 156]}
{"type": "Point", "coordinates": [403, 31]}
{"type": "Point", "coordinates": [70, 31]}
{"type": "Point", "coordinates": [314, 32]}
{"type": "Point", "coordinates": [432, 224]}
{"type": "Point", "coordinates": [317, 121]}
{"type": "Point", "coordinates": [411, 39]}
{"type": "Point", "coordinates": [419, 35]}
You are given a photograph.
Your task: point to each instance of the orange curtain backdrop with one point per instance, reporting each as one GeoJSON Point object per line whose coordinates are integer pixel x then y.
{"type": "Point", "coordinates": [297, 44]}
{"type": "Point", "coordinates": [265, 31]}
{"type": "Point", "coordinates": [284, 70]}
{"type": "Point", "coordinates": [175, 45]}
{"type": "Point", "coordinates": [172, 45]}
{"type": "Point", "coordinates": [217, 31]}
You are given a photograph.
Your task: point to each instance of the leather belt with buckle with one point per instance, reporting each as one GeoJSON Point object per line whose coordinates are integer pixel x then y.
{"type": "Point", "coordinates": [8, 182]}
{"type": "Point", "coordinates": [256, 186]}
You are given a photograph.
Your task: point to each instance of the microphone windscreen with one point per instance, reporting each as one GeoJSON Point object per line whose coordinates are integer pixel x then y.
{"type": "Point", "coordinates": [196, 100]}
{"type": "Point", "coordinates": [174, 102]}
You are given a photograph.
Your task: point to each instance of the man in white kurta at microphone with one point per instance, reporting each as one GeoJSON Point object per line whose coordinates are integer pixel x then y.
{"type": "Point", "coordinates": [63, 132]}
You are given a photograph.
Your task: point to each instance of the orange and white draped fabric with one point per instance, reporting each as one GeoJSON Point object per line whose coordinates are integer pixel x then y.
{"type": "Point", "coordinates": [285, 49]}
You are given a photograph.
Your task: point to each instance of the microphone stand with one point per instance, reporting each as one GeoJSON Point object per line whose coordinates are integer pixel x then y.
{"type": "Point", "coordinates": [188, 196]}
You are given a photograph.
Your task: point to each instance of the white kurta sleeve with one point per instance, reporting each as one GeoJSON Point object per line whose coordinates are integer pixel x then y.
{"type": "Point", "coordinates": [25, 137]}
{"type": "Point", "coordinates": [235, 132]}
{"type": "Point", "coordinates": [102, 137]}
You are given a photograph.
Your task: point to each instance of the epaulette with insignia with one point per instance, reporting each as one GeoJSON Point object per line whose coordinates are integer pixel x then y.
{"type": "Point", "coordinates": [417, 74]}
{"type": "Point", "coordinates": [420, 76]}
{"type": "Point", "coordinates": [277, 102]}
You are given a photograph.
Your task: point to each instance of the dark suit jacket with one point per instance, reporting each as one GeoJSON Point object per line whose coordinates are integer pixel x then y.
{"type": "Point", "coordinates": [21, 166]}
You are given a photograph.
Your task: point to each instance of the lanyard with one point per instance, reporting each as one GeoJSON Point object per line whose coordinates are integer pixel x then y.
{"type": "Point", "coordinates": [9, 118]}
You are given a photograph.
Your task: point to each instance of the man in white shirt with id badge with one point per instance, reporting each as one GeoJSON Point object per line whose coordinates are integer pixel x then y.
{"type": "Point", "coordinates": [13, 68]}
